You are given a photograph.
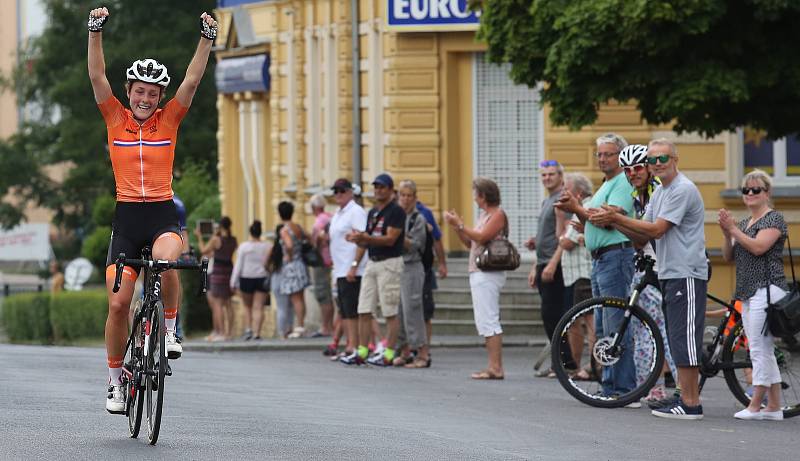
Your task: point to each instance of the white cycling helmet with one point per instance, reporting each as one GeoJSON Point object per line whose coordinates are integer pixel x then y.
{"type": "Point", "coordinates": [148, 71]}
{"type": "Point", "coordinates": [634, 154]}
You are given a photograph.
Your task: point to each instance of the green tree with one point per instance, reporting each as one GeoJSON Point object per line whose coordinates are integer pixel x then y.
{"type": "Point", "coordinates": [708, 66]}
{"type": "Point", "coordinates": [66, 126]}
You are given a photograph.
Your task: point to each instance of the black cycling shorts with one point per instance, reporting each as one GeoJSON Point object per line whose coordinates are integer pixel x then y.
{"type": "Point", "coordinates": [137, 225]}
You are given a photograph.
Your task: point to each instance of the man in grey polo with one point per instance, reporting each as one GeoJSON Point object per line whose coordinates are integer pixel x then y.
{"type": "Point", "coordinates": [675, 218]}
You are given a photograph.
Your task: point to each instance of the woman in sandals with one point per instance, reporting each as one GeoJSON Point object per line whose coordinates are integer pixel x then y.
{"type": "Point", "coordinates": [756, 245]}
{"type": "Point", "coordinates": [485, 286]}
{"type": "Point", "coordinates": [294, 273]}
{"type": "Point", "coordinates": [221, 247]}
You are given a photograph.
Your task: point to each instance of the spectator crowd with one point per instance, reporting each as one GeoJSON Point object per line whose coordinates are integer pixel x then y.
{"type": "Point", "coordinates": [383, 263]}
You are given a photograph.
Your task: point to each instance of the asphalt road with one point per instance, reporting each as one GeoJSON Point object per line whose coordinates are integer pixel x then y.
{"type": "Point", "coordinates": [298, 405]}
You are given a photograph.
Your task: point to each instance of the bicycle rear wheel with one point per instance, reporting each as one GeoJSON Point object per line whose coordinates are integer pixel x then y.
{"type": "Point", "coordinates": [599, 354]}
{"type": "Point", "coordinates": [156, 369]}
{"type": "Point", "coordinates": [737, 369]}
{"type": "Point", "coordinates": [134, 395]}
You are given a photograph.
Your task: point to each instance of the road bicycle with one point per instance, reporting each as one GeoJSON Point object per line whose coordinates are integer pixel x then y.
{"type": "Point", "coordinates": [726, 352]}
{"type": "Point", "coordinates": [146, 366]}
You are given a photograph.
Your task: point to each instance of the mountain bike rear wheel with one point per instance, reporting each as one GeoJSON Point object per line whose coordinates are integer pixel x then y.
{"type": "Point", "coordinates": [156, 369]}
{"type": "Point", "coordinates": [575, 330]}
{"type": "Point", "coordinates": [737, 369]}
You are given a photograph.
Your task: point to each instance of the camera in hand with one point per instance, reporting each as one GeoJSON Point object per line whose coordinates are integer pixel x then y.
{"type": "Point", "coordinates": [206, 227]}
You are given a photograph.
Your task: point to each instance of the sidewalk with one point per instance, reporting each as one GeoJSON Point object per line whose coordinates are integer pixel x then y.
{"type": "Point", "coordinates": [318, 344]}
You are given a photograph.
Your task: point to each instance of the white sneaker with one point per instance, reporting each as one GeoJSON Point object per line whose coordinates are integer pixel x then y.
{"type": "Point", "coordinates": [747, 414]}
{"type": "Point", "coordinates": [174, 348]}
{"type": "Point", "coordinates": [115, 400]}
{"type": "Point", "coordinates": [298, 332]}
{"type": "Point", "coordinates": [772, 415]}
{"type": "Point", "coordinates": [634, 404]}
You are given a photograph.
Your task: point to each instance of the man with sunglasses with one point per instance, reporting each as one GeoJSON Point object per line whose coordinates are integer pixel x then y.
{"type": "Point", "coordinates": [546, 271]}
{"type": "Point", "coordinates": [612, 255]}
{"type": "Point", "coordinates": [383, 240]}
{"type": "Point", "coordinates": [675, 219]}
{"type": "Point", "coordinates": [349, 217]}
{"type": "Point", "coordinates": [633, 160]}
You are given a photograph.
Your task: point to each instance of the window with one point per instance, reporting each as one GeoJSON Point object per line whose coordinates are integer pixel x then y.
{"type": "Point", "coordinates": [780, 157]}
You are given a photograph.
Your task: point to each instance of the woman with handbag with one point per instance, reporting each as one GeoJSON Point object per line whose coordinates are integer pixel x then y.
{"type": "Point", "coordinates": [485, 285]}
{"type": "Point", "coordinates": [249, 277]}
{"type": "Point", "coordinates": [294, 276]}
{"type": "Point", "coordinates": [756, 246]}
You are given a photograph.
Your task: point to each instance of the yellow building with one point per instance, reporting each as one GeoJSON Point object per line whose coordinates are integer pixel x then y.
{"type": "Point", "coordinates": [430, 109]}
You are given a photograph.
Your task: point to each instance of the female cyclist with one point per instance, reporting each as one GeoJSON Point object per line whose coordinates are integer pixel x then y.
{"type": "Point", "coordinates": [141, 143]}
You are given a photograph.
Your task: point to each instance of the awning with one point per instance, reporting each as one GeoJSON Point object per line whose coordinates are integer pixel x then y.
{"type": "Point", "coordinates": [250, 73]}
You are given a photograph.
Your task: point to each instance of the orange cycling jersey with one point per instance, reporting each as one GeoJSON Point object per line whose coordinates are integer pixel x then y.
{"type": "Point", "coordinates": [142, 155]}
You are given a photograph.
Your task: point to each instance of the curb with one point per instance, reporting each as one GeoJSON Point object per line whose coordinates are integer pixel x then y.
{"type": "Point", "coordinates": [319, 344]}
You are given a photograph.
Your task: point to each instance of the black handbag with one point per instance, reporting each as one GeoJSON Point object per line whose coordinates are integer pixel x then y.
{"type": "Point", "coordinates": [783, 316]}
{"type": "Point", "coordinates": [311, 256]}
{"type": "Point", "coordinates": [499, 254]}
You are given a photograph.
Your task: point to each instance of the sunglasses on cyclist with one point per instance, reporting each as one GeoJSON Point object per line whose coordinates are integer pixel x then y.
{"type": "Point", "coordinates": [753, 190]}
{"type": "Point", "coordinates": [634, 168]}
{"type": "Point", "coordinates": [338, 191]}
{"type": "Point", "coordinates": [546, 163]}
{"type": "Point", "coordinates": [658, 158]}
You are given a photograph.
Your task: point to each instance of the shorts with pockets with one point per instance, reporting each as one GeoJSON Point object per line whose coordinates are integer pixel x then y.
{"type": "Point", "coordinates": [684, 302]}
{"type": "Point", "coordinates": [381, 284]}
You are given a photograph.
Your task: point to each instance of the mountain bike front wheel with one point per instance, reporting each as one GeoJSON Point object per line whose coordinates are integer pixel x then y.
{"type": "Point", "coordinates": [738, 370]}
{"type": "Point", "coordinates": [156, 370]}
{"type": "Point", "coordinates": [578, 350]}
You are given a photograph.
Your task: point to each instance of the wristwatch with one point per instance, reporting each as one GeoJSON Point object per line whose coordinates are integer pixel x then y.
{"type": "Point", "coordinates": [461, 227]}
{"type": "Point", "coordinates": [354, 264]}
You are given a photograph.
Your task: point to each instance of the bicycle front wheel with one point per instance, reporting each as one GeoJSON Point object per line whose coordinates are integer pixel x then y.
{"type": "Point", "coordinates": [579, 350]}
{"type": "Point", "coordinates": [738, 370]}
{"type": "Point", "coordinates": [134, 395]}
{"type": "Point", "coordinates": [156, 370]}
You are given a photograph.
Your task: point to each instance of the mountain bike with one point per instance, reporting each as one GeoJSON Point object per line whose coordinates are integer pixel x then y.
{"type": "Point", "coordinates": [726, 352]}
{"type": "Point", "coordinates": [146, 366]}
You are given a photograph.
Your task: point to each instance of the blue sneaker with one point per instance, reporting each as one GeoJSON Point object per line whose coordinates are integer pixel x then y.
{"type": "Point", "coordinates": [679, 410]}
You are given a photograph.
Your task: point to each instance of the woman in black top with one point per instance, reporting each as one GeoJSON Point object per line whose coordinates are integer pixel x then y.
{"type": "Point", "coordinates": [756, 245]}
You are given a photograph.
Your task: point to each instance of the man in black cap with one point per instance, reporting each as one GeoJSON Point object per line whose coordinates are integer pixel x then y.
{"type": "Point", "coordinates": [383, 240]}
{"type": "Point", "coordinates": [350, 216]}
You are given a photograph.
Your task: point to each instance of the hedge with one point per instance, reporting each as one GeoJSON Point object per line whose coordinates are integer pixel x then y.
{"type": "Point", "coordinates": [78, 315]}
{"type": "Point", "coordinates": [195, 314]}
{"type": "Point", "coordinates": [26, 317]}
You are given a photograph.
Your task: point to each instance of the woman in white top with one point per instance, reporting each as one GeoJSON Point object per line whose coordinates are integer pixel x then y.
{"type": "Point", "coordinates": [248, 276]}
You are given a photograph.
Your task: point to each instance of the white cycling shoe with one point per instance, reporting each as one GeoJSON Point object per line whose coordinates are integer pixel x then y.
{"type": "Point", "coordinates": [174, 348]}
{"type": "Point", "coordinates": [115, 400]}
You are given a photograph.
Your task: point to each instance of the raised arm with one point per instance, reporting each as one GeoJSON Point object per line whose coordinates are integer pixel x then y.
{"type": "Point", "coordinates": [96, 60]}
{"type": "Point", "coordinates": [197, 67]}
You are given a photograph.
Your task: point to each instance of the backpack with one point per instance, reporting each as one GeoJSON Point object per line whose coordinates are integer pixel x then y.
{"type": "Point", "coordinates": [427, 251]}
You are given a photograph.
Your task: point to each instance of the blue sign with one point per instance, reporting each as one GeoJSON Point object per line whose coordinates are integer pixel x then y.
{"type": "Point", "coordinates": [249, 73]}
{"type": "Point", "coordinates": [431, 15]}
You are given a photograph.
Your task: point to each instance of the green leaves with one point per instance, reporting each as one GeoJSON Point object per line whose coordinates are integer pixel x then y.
{"type": "Point", "coordinates": [708, 65]}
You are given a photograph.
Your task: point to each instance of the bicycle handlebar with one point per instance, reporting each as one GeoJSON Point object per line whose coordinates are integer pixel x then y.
{"type": "Point", "coordinates": [160, 265]}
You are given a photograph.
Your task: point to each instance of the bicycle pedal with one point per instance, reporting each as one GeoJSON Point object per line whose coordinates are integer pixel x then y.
{"type": "Point", "coordinates": [168, 372]}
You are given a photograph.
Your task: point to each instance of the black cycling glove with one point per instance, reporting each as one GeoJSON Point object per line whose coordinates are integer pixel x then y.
{"type": "Point", "coordinates": [207, 31]}
{"type": "Point", "coordinates": [95, 24]}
